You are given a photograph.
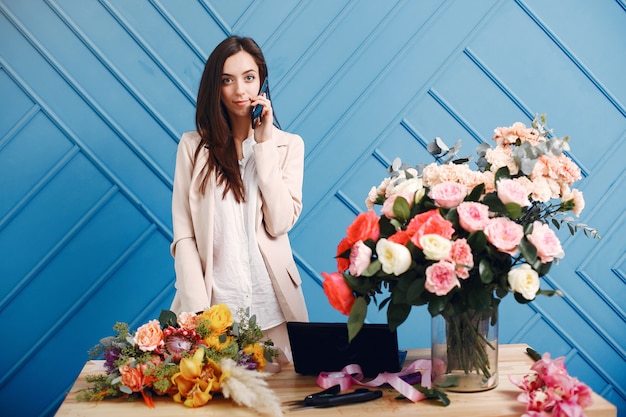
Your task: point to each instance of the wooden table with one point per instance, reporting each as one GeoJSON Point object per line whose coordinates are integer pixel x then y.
{"type": "Point", "coordinates": [288, 385]}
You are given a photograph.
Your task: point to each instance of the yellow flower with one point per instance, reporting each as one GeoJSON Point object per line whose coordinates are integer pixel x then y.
{"type": "Point", "coordinates": [257, 354]}
{"type": "Point", "coordinates": [220, 318]}
{"type": "Point", "coordinates": [213, 341]}
{"type": "Point", "coordinates": [196, 381]}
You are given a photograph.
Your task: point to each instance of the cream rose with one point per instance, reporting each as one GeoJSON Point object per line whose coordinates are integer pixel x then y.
{"type": "Point", "coordinates": [394, 258]}
{"type": "Point", "coordinates": [435, 247]}
{"type": "Point", "coordinates": [525, 281]}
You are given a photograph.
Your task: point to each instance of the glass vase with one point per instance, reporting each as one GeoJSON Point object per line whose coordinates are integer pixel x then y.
{"type": "Point", "coordinates": [464, 351]}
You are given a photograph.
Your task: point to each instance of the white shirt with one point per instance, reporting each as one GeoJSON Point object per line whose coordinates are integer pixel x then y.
{"type": "Point", "coordinates": [240, 277]}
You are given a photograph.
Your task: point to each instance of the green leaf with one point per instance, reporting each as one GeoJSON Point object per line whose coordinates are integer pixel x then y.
{"type": "Point", "coordinates": [476, 192]}
{"type": "Point", "coordinates": [167, 318]}
{"type": "Point", "coordinates": [477, 241]}
{"type": "Point", "coordinates": [543, 269]}
{"type": "Point", "coordinates": [415, 291]}
{"type": "Point", "coordinates": [357, 317]}
{"type": "Point", "coordinates": [514, 210]}
{"type": "Point", "coordinates": [528, 251]}
{"type": "Point", "coordinates": [401, 208]}
{"type": "Point", "coordinates": [479, 299]}
{"type": "Point", "coordinates": [397, 314]}
{"type": "Point", "coordinates": [494, 203]}
{"type": "Point", "coordinates": [386, 227]}
{"type": "Point", "coordinates": [502, 174]}
{"type": "Point", "coordinates": [437, 305]}
{"type": "Point", "coordinates": [372, 269]}
{"type": "Point", "coordinates": [485, 271]}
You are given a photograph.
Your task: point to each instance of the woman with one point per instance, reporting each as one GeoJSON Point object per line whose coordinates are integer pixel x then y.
{"type": "Point", "coordinates": [237, 192]}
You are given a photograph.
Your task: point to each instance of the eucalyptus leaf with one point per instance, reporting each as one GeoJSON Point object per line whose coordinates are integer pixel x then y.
{"type": "Point", "coordinates": [441, 144]}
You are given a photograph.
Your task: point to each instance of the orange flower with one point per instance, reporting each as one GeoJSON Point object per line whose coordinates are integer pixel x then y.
{"type": "Point", "coordinates": [132, 376]}
{"type": "Point", "coordinates": [429, 223]}
{"type": "Point", "coordinates": [343, 263]}
{"type": "Point", "coordinates": [365, 226]}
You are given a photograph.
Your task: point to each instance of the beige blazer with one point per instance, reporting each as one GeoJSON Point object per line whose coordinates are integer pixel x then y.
{"type": "Point", "coordinates": [280, 166]}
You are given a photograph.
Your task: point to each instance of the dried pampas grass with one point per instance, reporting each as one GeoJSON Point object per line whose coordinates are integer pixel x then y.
{"type": "Point", "coordinates": [248, 387]}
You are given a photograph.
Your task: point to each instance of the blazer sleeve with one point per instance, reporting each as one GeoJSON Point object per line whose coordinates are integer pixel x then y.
{"type": "Point", "coordinates": [280, 166]}
{"type": "Point", "coordinates": [191, 292]}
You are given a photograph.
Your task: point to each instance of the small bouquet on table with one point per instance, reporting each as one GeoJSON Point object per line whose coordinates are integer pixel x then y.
{"type": "Point", "coordinates": [190, 358]}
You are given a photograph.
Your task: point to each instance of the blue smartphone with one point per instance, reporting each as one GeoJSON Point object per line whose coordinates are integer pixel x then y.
{"type": "Point", "coordinates": [258, 109]}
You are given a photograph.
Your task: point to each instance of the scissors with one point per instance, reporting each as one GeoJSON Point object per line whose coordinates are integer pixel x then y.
{"type": "Point", "coordinates": [332, 398]}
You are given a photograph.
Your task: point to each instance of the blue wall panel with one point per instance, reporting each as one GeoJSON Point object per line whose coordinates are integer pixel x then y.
{"type": "Point", "coordinates": [94, 96]}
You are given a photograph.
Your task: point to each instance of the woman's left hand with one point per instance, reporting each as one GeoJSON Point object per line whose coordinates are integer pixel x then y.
{"type": "Point", "coordinates": [263, 129]}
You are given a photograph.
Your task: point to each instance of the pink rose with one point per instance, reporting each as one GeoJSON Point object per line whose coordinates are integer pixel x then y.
{"type": "Point", "coordinates": [149, 336]}
{"type": "Point", "coordinates": [473, 216]}
{"type": "Point", "coordinates": [339, 294]}
{"type": "Point", "coordinates": [448, 194]}
{"type": "Point", "coordinates": [461, 256]}
{"type": "Point", "coordinates": [360, 257]}
{"type": "Point", "coordinates": [504, 234]}
{"type": "Point", "coordinates": [441, 278]}
{"type": "Point", "coordinates": [510, 191]}
{"type": "Point", "coordinates": [546, 241]}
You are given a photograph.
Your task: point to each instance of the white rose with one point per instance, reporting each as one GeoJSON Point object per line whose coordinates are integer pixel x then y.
{"type": "Point", "coordinates": [394, 258]}
{"type": "Point", "coordinates": [409, 186]}
{"type": "Point", "coordinates": [524, 280]}
{"type": "Point", "coordinates": [435, 247]}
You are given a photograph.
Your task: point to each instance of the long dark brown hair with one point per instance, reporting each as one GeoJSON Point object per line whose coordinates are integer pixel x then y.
{"type": "Point", "coordinates": [212, 121]}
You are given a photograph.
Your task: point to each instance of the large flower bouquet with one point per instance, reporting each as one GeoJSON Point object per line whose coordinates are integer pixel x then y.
{"type": "Point", "coordinates": [190, 357]}
{"type": "Point", "coordinates": [459, 239]}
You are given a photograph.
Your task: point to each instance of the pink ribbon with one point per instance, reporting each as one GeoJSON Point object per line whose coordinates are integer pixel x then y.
{"type": "Point", "coordinates": [352, 374]}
